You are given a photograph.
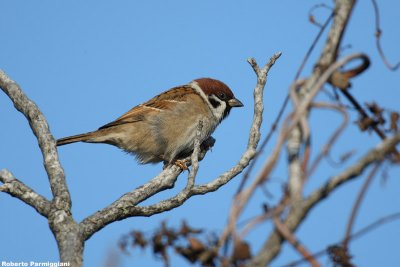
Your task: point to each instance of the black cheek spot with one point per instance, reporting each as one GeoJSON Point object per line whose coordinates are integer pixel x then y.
{"type": "Point", "coordinates": [214, 102]}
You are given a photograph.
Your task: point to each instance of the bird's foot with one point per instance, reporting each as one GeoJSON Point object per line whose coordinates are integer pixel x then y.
{"type": "Point", "coordinates": [181, 164]}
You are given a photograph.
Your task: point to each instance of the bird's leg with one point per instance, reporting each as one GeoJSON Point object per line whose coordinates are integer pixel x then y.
{"type": "Point", "coordinates": [181, 164]}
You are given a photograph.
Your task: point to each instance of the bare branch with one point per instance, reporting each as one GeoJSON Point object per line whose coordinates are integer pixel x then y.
{"type": "Point", "coordinates": [386, 219]}
{"type": "Point", "coordinates": [283, 107]}
{"type": "Point", "coordinates": [300, 209]}
{"type": "Point", "coordinates": [262, 75]}
{"type": "Point", "coordinates": [18, 189]}
{"type": "Point", "coordinates": [243, 197]}
{"type": "Point", "coordinates": [311, 16]}
{"type": "Point", "coordinates": [282, 229]}
{"type": "Point", "coordinates": [298, 137]}
{"type": "Point", "coordinates": [326, 148]}
{"type": "Point", "coordinates": [40, 128]}
{"type": "Point", "coordinates": [342, 11]}
{"type": "Point", "coordinates": [195, 158]}
{"type": "Point", "coordinates": [376, 154]}
{"type": "Point", "coordinates": [357, 205]}
{"type": "Point", "coordinates": [378, 35]}
{"type": "Point", "coordinates": [124, 207]}
{"type": "Point", "coordinates": [59, 216]}
{"type": "Point", "coordinates": [270, 213]}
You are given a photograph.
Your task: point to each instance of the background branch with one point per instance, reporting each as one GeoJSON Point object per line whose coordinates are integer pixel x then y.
{"type": "Point", "coordinates": [342, 11]}
{"type": "Point", "coordinates": [242, 199]}
{"type": "Point", "coordinates": [282, 229]}
{"type": "Point", "coordinates": [300, 209]}
{"type": "Point", "coordinates": [366, 229]}
{"type": "Point", "coordinates": [282, 108]}
{"type": "Point", "coordinates": [357, 205]}
{"type": "Point", "coordinates": [378, 35]}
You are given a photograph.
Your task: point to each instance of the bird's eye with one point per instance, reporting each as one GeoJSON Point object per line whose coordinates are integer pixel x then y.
{"type": "Point", "coordinates": [221, 95]}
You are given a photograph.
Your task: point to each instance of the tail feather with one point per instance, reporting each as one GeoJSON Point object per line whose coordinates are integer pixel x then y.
{"type": "Point", "coordinates": [75, 138]}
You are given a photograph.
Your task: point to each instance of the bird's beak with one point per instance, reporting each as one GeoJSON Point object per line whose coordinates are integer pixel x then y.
{"type": "Point", "coordinates": [235, 103]}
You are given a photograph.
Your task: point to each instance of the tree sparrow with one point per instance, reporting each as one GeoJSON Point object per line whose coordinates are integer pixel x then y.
{"type": "Point", "coordinates": [165, 127]}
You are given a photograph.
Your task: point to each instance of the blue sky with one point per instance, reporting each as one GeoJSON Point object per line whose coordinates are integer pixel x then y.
{"type": "Point", "coordinates": [86, 63]}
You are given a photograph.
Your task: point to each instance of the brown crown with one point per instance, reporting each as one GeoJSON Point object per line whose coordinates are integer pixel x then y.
{"type": "Point", "coordinates": [212, 86]}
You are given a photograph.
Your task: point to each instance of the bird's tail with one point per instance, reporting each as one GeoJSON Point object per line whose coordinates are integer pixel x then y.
{"type": "Point", "coordinates": [75, 138]}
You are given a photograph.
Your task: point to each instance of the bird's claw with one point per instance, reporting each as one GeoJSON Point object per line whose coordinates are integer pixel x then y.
{"type": "Point", "coordinates": [181, 164]}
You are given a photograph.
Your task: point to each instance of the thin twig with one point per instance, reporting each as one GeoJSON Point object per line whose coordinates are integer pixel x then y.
{"type": "Point", "coordinates": [378, 35]}
{"type": "Point", "coordinates": [311, 17]}
{"type": "Point", "coordinates": [364, 115]}
{"type": "Point", "coordinates": [327, 147]}
{"type": "Point", "coordinates": [195, 158]}
{"type": "Point", "coordinates": [357, 204]}
{"type": "Point", "coordinates": [275, 211]}
{"type": "Point", "coordinates": [300, 210]}
{"type": "Point", "coordinates": [380, 222]}
{"type": "Point", "coordinates": [262, 75]}
{"type": "Point", "coordinates": [285, 232]}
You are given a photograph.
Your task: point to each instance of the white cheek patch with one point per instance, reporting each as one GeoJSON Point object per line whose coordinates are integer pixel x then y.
{"type": "Point", "coordinates": [219, 111]}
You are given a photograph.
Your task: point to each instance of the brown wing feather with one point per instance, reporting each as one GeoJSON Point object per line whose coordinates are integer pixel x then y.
{"type": "Point", "coordinates": [163, 101]}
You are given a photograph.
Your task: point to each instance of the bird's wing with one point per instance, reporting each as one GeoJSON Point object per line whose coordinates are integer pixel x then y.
{"type": "Point", "coordinates": [159, 103]}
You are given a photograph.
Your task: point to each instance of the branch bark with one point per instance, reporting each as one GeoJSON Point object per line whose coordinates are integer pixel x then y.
{"type": "Point", "coordinates": [40, 128]}
{"type": "Point", "coordinates": [58, 211]}
{"type": "Point", "coordinates": [18, 189]}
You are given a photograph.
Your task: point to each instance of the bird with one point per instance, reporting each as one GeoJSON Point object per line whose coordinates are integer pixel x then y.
{"type": "Point", "coordinates": [164, 128]}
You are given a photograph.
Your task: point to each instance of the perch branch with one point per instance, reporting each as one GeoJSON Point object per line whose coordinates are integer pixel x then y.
{"type": "Point", "coordinates": [127, 205]}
